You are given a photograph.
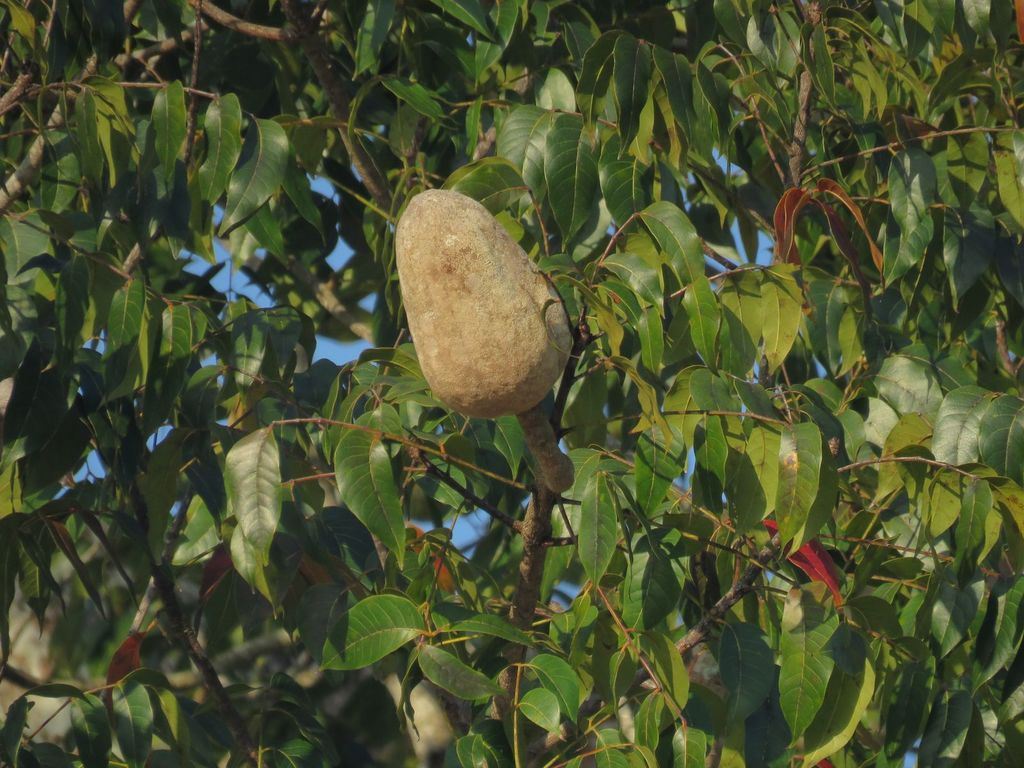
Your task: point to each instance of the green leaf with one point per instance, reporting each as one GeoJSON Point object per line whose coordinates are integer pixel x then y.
{"type": "Point", "coordinates": [596, 75]}
{"type": "Point", "coordinates": [367, 485]}
{"type": "Point", "coordinates": [669, 669]}
{"type": "Point", "coordinates": [975, 507]}
{"type": "Point", "coordinates": [169, 125]}
{"type": "Point", "coordinates": [372, 32]}
{"type": "Point", "coordinates": [493, 181]}
{"type": "Point", "coordinates": [469, 12]}
{"type": "Point", "coordinates": [598, 528]}
{"type": "Point", "coordinates": [968, 244]}
{"type": "Point", "coordinates": [493, 626]}
{"type": "Point", "coordinates": [1008, 152]}
{"type": "Point", "coordinates": [540, 706]}
{"type": "Point", "coordinates": [13, 728]}
{"type": "Point", "coordinates": [846, 699]}
{"type": "Point", "coordinates": [954, 610]}
{"type": "Point", "coordinates": [91, 731]}
{"type": "Point", "coordinates": [558, 677]}
{"type": "Point", "coordinates": [799, 470]}
{"type": "Point", "coordinates": [446, 671]}
{"type": "Point", "coordinates": [127, 308]}
{"type": "Point", "coordinates": [1009, 630]}
{"type": "Point", "coordinates": [133, 720]}
{"type": "Point", "coordinates": [948, 726]}
{"type": "Point", "coordinates": [252, 479]}
{"type": "Point", "coordinates": [660, 459]}
{"type": "Point", "coordinates": [1001, 437]}
{"type": "Point", "coordinates": [259, 174]}
{"type": "Point", "coordinates": [632, 75]}
{"type": "Point", "coordinates": [958, 425]}
{"type": "Point", "coordinates": [689, 747]}
{"type": "Point", "coordinates": [375, 627]}
{"type": "Point", "coordinates": [912, 188]}
{"type": "Point", "coordinates": [222, 127]}
{"type": "Point", "coordinates": [623, 185]}
{"type": "Point", "coordinates": [823, 70]}
{"type": "Point", "coordinates": [701, 307]}
{"type": "Point", "coordinates": [416, 96]}
{"type": "Point", "coordinates": [806, 666]}
{"type": "Point", "coordinates": [781, 310]}
{"type": "Point", "coordinates": [72, 304]}
{"type": "Point", "coordinates": [909, 385]}
{"type": "Point", "coordinates": [570, 171]}
{"type": "Point", "coordinates": [677, 237]}
{"type": "Point", "coordinates": [747, 668]}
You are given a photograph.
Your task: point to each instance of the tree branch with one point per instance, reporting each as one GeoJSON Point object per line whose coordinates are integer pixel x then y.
{"type": "Point", "coordinates": [743, 585]}
{"type": "Point", "coordinates": [182, 633]}
{"type": "Point", "coordinates": [337, 96]}
{"type": "Point", "coordinates": [13, 94]}
{"type": "Point", "coordinates": [798, 144]}
{"type": "Point", "coordinates": [235, 24]}
{"type": "Point", "coordinates": [27, 170]}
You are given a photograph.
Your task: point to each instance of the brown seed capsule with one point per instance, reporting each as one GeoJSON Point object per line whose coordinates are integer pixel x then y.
{"type": "Point", "coordinates": [491, 332]}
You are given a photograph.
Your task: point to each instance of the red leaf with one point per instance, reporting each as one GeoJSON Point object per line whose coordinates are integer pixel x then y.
{"type": "Point", "coordinates": [214, 571]}
{"type": "Point", "coordinates": [813, 560]}
{"type": "Point", "coordinates": [832, 188]}
{"type": "Point", "coordinates": [126, 657]}
{"type": "Point", "coordinates": [786, 211]}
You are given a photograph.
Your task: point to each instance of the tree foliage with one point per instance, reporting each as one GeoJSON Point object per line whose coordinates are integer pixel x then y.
{"type": "Point", "coordinates": [791, 234]}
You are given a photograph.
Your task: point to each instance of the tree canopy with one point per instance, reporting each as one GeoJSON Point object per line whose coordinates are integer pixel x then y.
{"type": "Point", "coordinates": [237, 528]}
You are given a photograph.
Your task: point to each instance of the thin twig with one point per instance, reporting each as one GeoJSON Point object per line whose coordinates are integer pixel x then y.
{"type": "Point", "coordinates": [1004, 350]}
{"type": "Point", "coordinates": [907, 460]}
{"type": "Point", "coordinates": [445, 477]}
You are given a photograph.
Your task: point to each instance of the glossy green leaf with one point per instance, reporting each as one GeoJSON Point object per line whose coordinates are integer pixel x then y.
{"type": "Point", "coordinates": [375, 627]}
{"type": "Point", "coordinates": [259, 173]}
{"type": "Point", "coordinates": [631, 67]}
{"type": "Point", "coordinates": [91, 731]}
{"type": "Point", "coordinates": [689, 747]}
{"type": "Point", "coordinates": [800, 450]}
{"type": "Point", "coordinates": [493, 181]}
{"type": "Point", "coordinates": [806, 666]}
{"type": "Point", "coordinates": [912, 187]}
{"type": "Point", "coordinates": [446, 671]}
{"type": "Point", "coordinates": [222, 128]}
{"type": "Point", "coordinates": [596, 75]}
{"type": "Point", "coordinates": [469, 12]}
{"type": "Point", "coordinates": [367, 485]}
{"type": "Point", "coordinates": [677, 237]}
{"type": "Point", "coordinates": [540, 706]}
{"type": "Point", "coordinates": [570, 170]}
{"type": "Point", "coordinates": [958, 425]}
{"type": "Point", "coordinates": [252, 478]}
{"type": "Point", "coordinates": [660, 460]}
{"type": "Point", "coordinates": [702, 308]}
{"type": "Point", "coordinates": [372, 32]}
{"type": "Point", "coordinates": [746, 666]}
{"type": "Point", "coordinates": [133, 721]}
{"type": "Point", "coordinates": [416, 96]}
{"type": "Point", "coordinates": [556, 676]}
{"type": "Point", "coordinates": [598, 526]}
{"type": "Point", "coordinates": [169, 125]}
{"type": "Point", "coordinates": [781, 310]}
{"type": "Point", "coordinates": [1001, 436]}
{"type": "Point", "coordinates": [846, 699]}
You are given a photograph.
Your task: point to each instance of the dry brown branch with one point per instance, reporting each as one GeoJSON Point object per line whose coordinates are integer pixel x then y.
{"type": "Point", "coordinates": [235, 24]}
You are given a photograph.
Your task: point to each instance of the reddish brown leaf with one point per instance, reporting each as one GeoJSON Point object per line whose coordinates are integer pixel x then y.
{"type": "Point", "coordinates": [813, 560]}
{"type": "Point", "coordinates": [1020, 20]}
{"type": "Point", "coordinates": [785, 220]}
{"type": "Point", "coordinates": [214, 571]}
{"type": "Point", "coordinates": [842, 238]}
{"type": "Point", "coordinates": [126, 657]}
{"type": "Point", "coordinates": [830, 187]}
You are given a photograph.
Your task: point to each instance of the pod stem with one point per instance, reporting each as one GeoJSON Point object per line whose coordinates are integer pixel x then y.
{"type": "Point", "coordinates": [554, 468]}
